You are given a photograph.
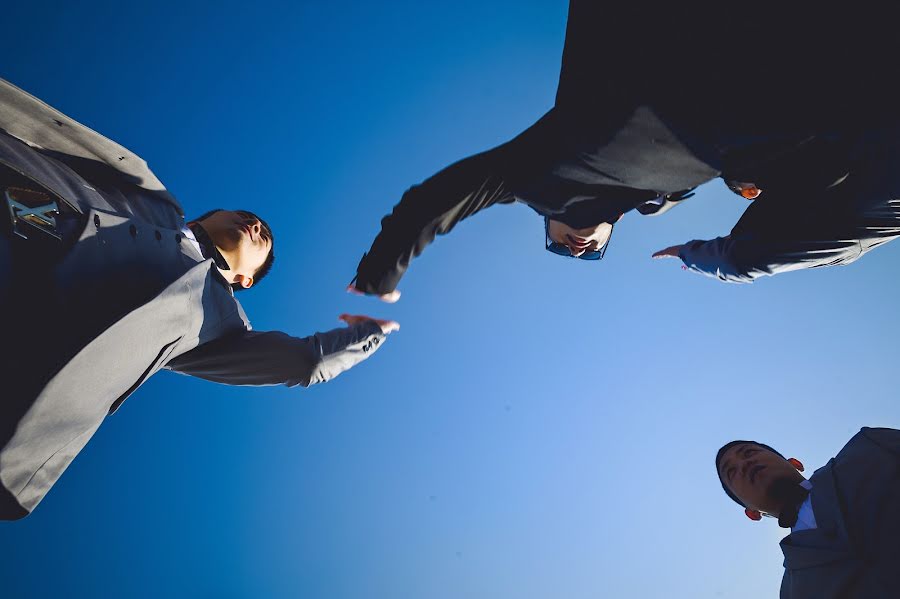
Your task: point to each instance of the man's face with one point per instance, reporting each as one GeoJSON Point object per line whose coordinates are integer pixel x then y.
{"type": "Point", "coordinates": [749, 471]}
{"type": "Point", "coordinates": [579, 241]}
{"type": "Point", "coordinates": [242, 240]}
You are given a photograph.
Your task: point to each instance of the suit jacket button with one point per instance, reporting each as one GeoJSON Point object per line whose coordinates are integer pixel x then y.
{"type": "Point", "coordinates": [158, 235]}
{"type": "Point", "coordinates": [133, 230]}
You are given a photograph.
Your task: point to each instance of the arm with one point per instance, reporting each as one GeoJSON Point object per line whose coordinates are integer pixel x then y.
{"type": "Point", "coordinates": [272, 358]}
{"type": "Point", "coordinates": [427, 210]}
{"type": "Point", "coordinates": [777, 233]}
{"type": "Point", "coordinates": [745, 258]}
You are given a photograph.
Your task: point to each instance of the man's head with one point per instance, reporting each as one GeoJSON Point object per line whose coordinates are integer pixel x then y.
{"type": "Point", "coordinates": [588, 243]}
{"type": "Point", "coordinates": [756, 476]}
{"type": "Point", "coordinates": [245, 242]}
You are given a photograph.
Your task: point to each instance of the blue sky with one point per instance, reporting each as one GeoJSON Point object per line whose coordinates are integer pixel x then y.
{"type": "Point", "coordinates": [539, 427]}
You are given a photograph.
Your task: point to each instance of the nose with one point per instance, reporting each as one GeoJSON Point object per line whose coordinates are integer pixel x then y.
{"type": "Point", "coordinates": [746, 465]}
{"type": "Point", "coordinates": [254, 224]}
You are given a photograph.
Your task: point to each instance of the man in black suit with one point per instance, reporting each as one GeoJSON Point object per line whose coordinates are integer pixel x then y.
{"type": "Point", "coordinates": [642, 111]}
{"type": "Point", "coordinates": [844, 520]}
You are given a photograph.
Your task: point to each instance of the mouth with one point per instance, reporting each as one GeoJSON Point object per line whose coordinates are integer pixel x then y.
{"type": "Point", "coordinates": [754, 472]}
{"type": "Point", "coordinates": [578, 241]}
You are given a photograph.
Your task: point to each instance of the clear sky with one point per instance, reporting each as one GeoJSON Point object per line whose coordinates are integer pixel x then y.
{"type": "Point", "coordinates": [540, 427]}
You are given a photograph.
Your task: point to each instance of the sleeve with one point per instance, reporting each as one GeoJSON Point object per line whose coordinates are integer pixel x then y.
{"type": "Point", "coordinates": [780, 232]}
{"type": "Point", "coordinates": [427, 210]}
{"type": "Point", "coordinates": [273, 358]}
{"type": "Point", "coordinates": [721, 258]}
{"type": "Point", "coordinates": [745, 258]}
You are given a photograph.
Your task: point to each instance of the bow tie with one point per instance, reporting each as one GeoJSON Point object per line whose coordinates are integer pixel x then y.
{"type": "Point", "coordinates": [207, 247]}
{"type": "Point", "coordinates": [791, 506]}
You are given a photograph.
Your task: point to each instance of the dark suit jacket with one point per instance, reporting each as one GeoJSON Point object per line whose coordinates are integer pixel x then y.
{"type": "Point", "coordinates": [853, 553]}
{"type": "Point", "coordinates": [648, 102]}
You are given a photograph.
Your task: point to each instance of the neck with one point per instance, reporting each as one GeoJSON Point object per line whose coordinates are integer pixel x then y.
{"type": "Point", "coordinates": [209, 248]}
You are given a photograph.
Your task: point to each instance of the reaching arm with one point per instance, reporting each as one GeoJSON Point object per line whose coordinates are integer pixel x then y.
{"type": "Point", "coordinates": [745, 258]}
{"type": "Point", "coordinates": [779, 232]}
{"type": "Point", "coordinates": [273, 358]}
{"type": "Point", "coordinates": [427, 210]}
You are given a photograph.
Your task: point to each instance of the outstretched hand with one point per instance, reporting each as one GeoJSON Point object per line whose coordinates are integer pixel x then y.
{"type": "Point", "coordinates": [672, 251]}
{"type": "Point", "coordinates": [387, 326]}
{"type": "Point", "coordinates": [389, 298]}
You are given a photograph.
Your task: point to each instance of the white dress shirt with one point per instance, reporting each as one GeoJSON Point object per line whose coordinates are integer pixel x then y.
{"type": "Point", "coordinates": [806, 519]}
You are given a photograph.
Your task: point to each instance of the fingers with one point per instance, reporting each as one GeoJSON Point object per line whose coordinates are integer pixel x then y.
{"type": "Point", "coordinates": [388, 326]}
{"type": "Point", "coordinates": [389, 298]}
{"type": "Point", "coordinates": [669, 252]}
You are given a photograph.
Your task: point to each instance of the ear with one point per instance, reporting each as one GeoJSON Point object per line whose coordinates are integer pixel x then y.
{"type": "Point", "coordinates": [796, 463]}
{"type": "Point", "coordinates": [750, 191]}
{"type": "Point", "coordinates": [753, 514]}
{"type": "Point", "coordinates": [245, 282]}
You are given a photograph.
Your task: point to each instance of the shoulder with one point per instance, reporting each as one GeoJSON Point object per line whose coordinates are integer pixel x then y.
{"type": "Point", "coordinates": [884, 439]}
{"type": "Point", "coordinates": [38, 124]}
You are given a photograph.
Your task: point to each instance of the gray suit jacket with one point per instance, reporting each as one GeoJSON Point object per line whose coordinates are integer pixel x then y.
{"type": "Point", "coordinates": [129, 297]}
{"type": "Point", "coordinates": [853, 553]}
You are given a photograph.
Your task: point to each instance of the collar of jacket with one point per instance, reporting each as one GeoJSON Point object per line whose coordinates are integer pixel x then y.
{"type": "Point", "coordinates": [829, 541]}
{"type": "Point", "coordinates": [791, 509]}
{"type": "Point", "coordinates": [207, 247]}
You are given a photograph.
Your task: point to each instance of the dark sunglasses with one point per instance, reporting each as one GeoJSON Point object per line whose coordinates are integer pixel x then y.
{"type": "Point", "coordinates": [563, 250]}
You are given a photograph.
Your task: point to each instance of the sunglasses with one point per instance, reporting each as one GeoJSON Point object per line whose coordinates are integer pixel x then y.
{"type": "Point", "coordinates": [563, 250]}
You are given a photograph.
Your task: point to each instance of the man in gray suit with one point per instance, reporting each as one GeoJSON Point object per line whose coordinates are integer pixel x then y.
{"type": "Point", "coordinates": [826, 202]}
{"type": "Point", "coordinates": [102, 284]}
{"type": "Point", "coordinates": [844, 520]}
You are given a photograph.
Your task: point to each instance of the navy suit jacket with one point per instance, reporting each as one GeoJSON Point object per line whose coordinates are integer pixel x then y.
{"type": "Point", "coordinates": [854, 552]}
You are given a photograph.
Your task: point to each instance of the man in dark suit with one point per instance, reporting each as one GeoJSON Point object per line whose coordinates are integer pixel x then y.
{"type": "Point", "coordinates": [642, 110]}
{"type": "Point", "coordinates": [102, 284]}
{"type": "Point", "coordinates": [844, 520]}
{"type": "Point", "coordinates": [825, 202]}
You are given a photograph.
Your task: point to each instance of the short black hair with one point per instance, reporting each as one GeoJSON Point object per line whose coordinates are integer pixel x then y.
{"type": "Point", "coordinates": [721, 453]}
{"type": "Point", "coordinates": [263, 270]}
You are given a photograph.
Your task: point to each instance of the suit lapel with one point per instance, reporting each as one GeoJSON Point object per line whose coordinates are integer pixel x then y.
{"type": "Point", "coordinates": [829, 541]}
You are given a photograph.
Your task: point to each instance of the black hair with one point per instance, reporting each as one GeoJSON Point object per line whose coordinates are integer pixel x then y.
{"type": "Point", "coordinates": [263, 270]}
{"type": "Point", "coordinates": [721, 453]}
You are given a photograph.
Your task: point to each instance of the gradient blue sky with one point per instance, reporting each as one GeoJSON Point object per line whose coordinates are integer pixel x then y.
{"type": "Point", "coordinates": [539, 427]}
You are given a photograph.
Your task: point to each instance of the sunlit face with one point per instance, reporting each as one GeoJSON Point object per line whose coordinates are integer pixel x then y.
{"type": "Point", "coordinates": [243, 241]}
{"type": "Point", "coordinates": [579, 241]}
{"type": "Point", "coordinates": [749, 472]}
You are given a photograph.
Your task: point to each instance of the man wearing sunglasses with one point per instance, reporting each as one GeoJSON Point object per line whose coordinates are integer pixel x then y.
{"type": "Point", "coordinates": [844, 520]}
{"type": "Point", "coordinates": [627, 127]}
{"type": "Point", "coordinates": [103, 284]}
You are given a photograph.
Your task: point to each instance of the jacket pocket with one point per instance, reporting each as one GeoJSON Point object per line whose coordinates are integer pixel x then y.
{"type": "Point", "coordinates": [160, 359]}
